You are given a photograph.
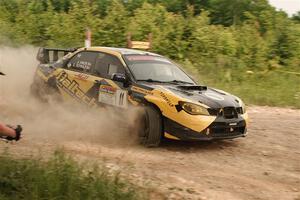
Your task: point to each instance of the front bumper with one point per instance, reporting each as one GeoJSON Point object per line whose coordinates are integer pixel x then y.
{"type": "Point", "coordinates": [221, 128]}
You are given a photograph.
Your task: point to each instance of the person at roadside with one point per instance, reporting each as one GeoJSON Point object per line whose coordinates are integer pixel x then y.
{"type": "Point", "coordinates": [9, 132]}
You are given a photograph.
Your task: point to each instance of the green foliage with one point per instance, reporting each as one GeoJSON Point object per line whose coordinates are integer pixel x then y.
{"type": "Point", "coordinates": [296, 17]}
{"type": "Point", "coordinates": [164, 26]}
{"type": "Point", "coordinates": [59, 178]}
{"type": "Point", "coordinates": [112, 30]}
{"type": "Point", "coordinates": [218, 35]}
{"type": "Point", "coordinates": [68, 29]}
{"type": "Point", "coordinates": [229, 12]}
{"type": "Point", "coordinates": [272, 88]}
{"type": "Point", "coordinates": [210, 42]}
{"type": "Point", "coordinates": [252, 48]}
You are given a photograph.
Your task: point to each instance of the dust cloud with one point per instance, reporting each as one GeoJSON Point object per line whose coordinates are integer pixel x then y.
{"type": "Point", "coordinates": [55, 121]}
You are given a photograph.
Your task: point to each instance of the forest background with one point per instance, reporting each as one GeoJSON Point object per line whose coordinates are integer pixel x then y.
{"type": "Point", "coordinates": [245, 47]}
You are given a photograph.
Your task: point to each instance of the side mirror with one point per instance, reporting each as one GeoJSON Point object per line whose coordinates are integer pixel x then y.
{"type": "Point", "coordinates": [119, 77]}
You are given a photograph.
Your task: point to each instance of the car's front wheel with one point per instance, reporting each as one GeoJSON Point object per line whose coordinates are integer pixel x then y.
{"type": "Point", "coordinates": [150, 133]}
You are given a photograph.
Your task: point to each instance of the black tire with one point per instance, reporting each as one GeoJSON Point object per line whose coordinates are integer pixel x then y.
{"type": "Point", "coordinates": [151, 131]}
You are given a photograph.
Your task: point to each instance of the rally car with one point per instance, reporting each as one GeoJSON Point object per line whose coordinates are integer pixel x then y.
{"type": "Point", "coordinates": [175, 106]}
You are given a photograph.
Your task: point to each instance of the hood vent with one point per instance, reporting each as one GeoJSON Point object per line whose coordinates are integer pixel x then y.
{"type": "Point", "coordinates": [192, 87]}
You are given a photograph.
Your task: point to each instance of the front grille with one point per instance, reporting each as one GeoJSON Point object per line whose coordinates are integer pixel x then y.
{"type": "Point", "coordinates": [222, 129]}
{"type": "Point", "coordinates": [229, 112]}
{"type": "Point", "coordinates": [226, 112]}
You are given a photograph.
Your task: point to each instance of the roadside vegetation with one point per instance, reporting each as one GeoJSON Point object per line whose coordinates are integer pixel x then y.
{"type": "Point", "coordinates": [245, 47]}
{"type": "Point", "coordinates": [58, 178]}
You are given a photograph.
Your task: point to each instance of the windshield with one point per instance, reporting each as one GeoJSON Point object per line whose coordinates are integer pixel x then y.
{"type": "Point", "coordinates": [155, 69]}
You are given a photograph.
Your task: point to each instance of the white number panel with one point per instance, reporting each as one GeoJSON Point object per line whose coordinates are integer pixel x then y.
{"type": "Point", "coordinates": [112, 96]}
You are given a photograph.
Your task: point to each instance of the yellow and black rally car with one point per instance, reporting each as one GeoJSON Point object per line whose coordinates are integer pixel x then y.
{"type": "Point", "coordinates": [175, 106]}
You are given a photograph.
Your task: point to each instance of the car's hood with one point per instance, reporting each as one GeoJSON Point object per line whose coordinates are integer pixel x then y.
{"type": "Point", "coordinates": [211, 97]}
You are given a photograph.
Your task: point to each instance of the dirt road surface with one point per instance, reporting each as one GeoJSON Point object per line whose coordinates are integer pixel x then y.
{"type": "Point", "coordinates": [264, 165]}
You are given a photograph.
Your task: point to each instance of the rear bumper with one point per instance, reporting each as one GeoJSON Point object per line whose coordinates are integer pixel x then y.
{"type": "Point", "coordinates": [221, 128]}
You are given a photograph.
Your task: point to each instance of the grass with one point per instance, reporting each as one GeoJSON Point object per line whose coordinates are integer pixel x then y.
{"type": "Point", "coordinates": [58, 178]}
{"type": "Point", "coordinates": [271, 88]}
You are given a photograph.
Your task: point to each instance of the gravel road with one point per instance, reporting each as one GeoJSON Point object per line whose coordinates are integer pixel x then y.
{"type": "Point", "coordinates": [264, 165]}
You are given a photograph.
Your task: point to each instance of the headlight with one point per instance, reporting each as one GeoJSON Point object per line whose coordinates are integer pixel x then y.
{"type": "Point", "coordinates": [243, 107]}
{"type": "Point", "coordinates": [193, 109]}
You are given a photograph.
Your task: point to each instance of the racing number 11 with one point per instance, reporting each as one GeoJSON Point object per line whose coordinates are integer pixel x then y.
{"type": "Point", "coordinates": [121, 100]}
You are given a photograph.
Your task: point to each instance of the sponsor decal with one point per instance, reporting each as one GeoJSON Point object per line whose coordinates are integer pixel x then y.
{"type": "Point", "coordinates": [107, 95]}
{"type": "Point", "coordinates": [166, 99]}
{"type": "Point", "coordinates": [139, 57]}
{"type": "Point", "coordinates": [73, 89]}
{"type": "Point", "coordinates": [112, 96]}
{"type": "Point", "coordinates": [141, 90]}
{"type": "Point", "coordinates": [146, 58]}
{"type": "Point", "coordinates": [214, 96]}
{"type": "Point", "coordinates": [80, 64]}
{"type": "Point", "coordinates": [108, 89]}
{"type": "Point", "coordinates": [85, 65]}
{"type": "Point", "coordinates": [81, 76]}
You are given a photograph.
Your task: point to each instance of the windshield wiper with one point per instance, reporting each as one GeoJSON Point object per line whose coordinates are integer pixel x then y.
{"type": "Point", "coordinates": [173, 81]}
{"type": "Point", "coordinates": [179, 81]}
{"type": "Point", "coordinates": [151, 80]}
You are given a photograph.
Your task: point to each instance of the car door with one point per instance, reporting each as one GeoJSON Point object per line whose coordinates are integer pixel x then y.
{"type": "Point", "coordinates": [75, 79]}
{"type": "Point", "coordinates": [86, 78]}
{"type": "Point", "coordinates": [105, 90]}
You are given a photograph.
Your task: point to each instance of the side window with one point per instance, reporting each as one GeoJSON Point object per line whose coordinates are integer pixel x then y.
{"type": "Point", "coordinates": [82, 61]}
{"type": "Point", "coordinates": [106, 65]}
{"type": "Point", "coordinates": [112, 69]}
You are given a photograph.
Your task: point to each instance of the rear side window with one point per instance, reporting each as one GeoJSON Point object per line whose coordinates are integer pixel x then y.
{"type": "Point", "coordinates": [106, 65]}
{"type": "Point", "coordinates": [83, 61]}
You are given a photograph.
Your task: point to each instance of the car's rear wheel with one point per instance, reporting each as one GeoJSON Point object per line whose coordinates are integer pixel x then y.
{"type": "Point", "coordinates": [150, 133]}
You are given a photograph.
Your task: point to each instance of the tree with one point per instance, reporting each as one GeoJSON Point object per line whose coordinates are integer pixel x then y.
{"type": "Point", "coordinates": [228, 12]}
{"type": "Point", "coordinates": [166, 28]}
{"type": "Point", "coordinates": [34, 19]}
{"type": "Point", "coordinates": [210, 42]}
{"type": "Point", "coordinates": [252, 48]}
{"type": "Point", "coordinates": [296, 17]}
{"type": "Point", "coordinates": [8, 12]}
{"type": "Point", "coordinates": [61, 5]}
{"type": "Point", "coordinates": [68, 29]}
{"type": "Point", "coordinates": [112, 30]}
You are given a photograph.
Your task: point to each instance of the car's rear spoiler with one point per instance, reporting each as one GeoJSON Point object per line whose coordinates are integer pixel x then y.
{"type": "Point", "coordinates": [50, 55]}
